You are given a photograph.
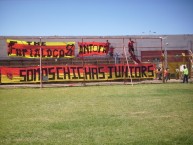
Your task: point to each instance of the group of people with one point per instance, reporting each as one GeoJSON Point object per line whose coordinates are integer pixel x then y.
{"type": "Point", "coordinates": [166, 74]}
{"type": "Point", "coordinates": [130, 47]}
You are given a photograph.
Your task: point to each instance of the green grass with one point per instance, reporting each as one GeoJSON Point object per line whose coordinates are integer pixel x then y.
{"type": "Point", "coordinates": [151, 114]}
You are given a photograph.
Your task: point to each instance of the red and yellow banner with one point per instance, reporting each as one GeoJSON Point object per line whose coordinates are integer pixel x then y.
{"type": "Point", "coordinates": [31, 49]}
{"type": "Point", "coordinates": [93, 48]}
{"type": "Point", "coordinates": [76, 73]}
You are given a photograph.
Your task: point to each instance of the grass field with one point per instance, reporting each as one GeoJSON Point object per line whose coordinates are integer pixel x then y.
{"type": "Point", "coordinates": [146, 114]}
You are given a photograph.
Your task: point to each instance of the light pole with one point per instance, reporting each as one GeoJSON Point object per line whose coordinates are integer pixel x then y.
{"type": "Point", "coordinates": [166, 55]}
{"type": "Point", "coordinates": [41, 63]}
{"type": "Point", "coordinates": [116, 55]}
{"type": "Point", "coordinates": [164, 61]}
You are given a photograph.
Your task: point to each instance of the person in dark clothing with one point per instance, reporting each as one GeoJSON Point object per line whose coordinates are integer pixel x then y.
{"type": "Point", "coordinates": [130, 46]}
{"type": "Point", "coordinates": [107, 46]}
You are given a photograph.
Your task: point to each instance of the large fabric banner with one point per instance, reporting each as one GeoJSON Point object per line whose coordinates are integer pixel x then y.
{"type": "Point", "coordinates": [31, 49]}
{"type": "Point", "coordinates": [76, 73]}
{"type": "Point", "coordinates": [93, 48]}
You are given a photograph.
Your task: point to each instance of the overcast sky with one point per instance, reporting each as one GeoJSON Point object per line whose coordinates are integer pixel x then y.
{"type": "Point", "coordinates": [95, 17]}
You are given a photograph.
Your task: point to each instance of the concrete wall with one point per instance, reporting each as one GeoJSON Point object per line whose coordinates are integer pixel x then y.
{"type": "Point", "coordinates": [143, 43]}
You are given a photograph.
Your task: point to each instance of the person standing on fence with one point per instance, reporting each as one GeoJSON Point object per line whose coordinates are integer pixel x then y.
{"type": "Point", "coordinates": [107, 46]}
{"type": "Point", "coordinates": [185, 73]}
{"type": "Point", "coordinates": [130, 46]}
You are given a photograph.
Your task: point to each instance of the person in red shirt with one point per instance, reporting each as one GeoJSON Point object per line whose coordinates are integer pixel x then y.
{"type": "Point", "coordinates": [107, 46]}
{"type": "Point", "coordinates": [111, 50]}
{"type": "Point", "coordinates": [130, 46]}
{"type": "Point", "coordinates": [166, 74]}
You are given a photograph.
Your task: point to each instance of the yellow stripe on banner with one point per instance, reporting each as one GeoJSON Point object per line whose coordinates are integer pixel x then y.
{"type": "Point", "coordinates": [96, 48]}
{"type": "Point", "coordinates": [46, 43]}
{"type": "Point", "coordinates": [15, 79]}
{"type": "Point", "coordinates": [18, 41]}
{"type": "Point", "coordinates": [69, 56]}
{"type": "Point", "coordinates": [59, 43]}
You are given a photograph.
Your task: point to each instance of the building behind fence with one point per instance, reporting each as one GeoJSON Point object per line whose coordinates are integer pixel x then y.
{"type": "Point", "coordinates": [177, 51]}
